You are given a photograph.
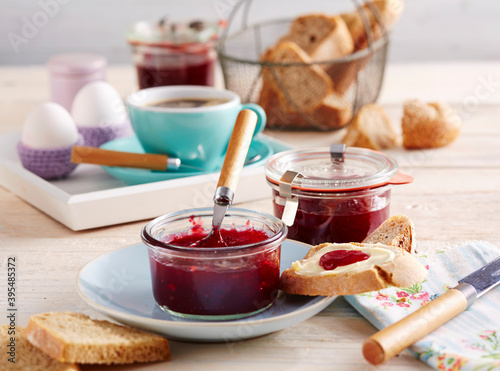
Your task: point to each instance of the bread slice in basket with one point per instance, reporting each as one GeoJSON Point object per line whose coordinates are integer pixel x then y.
{"type": "Point", "coordinates": [24, 356]}
{"type": "Point", "coordinates": [385, 266]}
{"type": "Point", "coordinates": [375, 13]}
{"type": "Point", "coordinates": [322, 37]}
{"type": "Point", "coordinates": [300, 95]}
{"type": "Point", "coordinates": [299, 86]}
{"type": "Point", "coordinates": [333, 112]}
{"type": "Point", "coordinates": [76, 338]}
{"type": "Point", "coordinates": [378, 14]}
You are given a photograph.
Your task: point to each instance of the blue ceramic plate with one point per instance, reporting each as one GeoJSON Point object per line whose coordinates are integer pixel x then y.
{"type": "Point", "coordinates": [118, 284]}
{"type": "Point", "coordinates": [260, 150]}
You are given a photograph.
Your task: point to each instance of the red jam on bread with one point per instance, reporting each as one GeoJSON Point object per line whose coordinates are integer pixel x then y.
{"type": "Point", "coordinates": [338, 258]}
{"type": "Point", "coordinates": [342, 258]}
{"type": "Point", "coordinates": [362, 268]}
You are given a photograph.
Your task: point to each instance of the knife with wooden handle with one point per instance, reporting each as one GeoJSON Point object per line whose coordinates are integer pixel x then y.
{"type": "Point", "coordinates": [390, 341]}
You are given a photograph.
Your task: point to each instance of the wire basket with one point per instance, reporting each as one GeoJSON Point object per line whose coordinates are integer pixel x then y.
{"type": "Point", "coordinates": [356, 78]}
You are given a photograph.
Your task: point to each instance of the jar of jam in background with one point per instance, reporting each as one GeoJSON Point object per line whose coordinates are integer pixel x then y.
{"type": "Point", "coordinates": [215, 283]}
{"type": "Point", "coordinates": [70, 72]}
{"type": "Point", "coordinates": [332, 195]}
{"type": "Point", "coordinates": [174, 53]}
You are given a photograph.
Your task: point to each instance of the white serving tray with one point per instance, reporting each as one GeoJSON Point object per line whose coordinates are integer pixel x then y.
{"type": "Point", "coordinates": [91, 198]}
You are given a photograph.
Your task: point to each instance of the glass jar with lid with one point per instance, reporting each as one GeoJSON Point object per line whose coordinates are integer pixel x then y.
{"type": "Point", "coordinates": [215, 283]}
{"type": "Point", "coordinates": [332, 194]}
{"type": "Point", "coordinates": [167, 53]}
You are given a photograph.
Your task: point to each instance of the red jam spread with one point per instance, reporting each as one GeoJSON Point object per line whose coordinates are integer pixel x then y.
{"type": "Point", "coordinates": [339, 258]}
{"type": "Point", "coordinates": [336, 221]}
{"type": "Point", "coordinates": [152, 75]}
{"type": "Point", "coordinates": [226, 286]}
{"type": "Point", "coordinates": [228, 237]}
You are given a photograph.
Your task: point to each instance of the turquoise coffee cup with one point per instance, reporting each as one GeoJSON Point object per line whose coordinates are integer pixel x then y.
{"type": "Point", "coordinates": [197, 136]}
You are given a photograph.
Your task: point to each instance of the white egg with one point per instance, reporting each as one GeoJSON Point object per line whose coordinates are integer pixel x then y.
{"type": "Point", "coordinates": [98, 104]}
{"type": "Point", "coordinates": [49, 126]}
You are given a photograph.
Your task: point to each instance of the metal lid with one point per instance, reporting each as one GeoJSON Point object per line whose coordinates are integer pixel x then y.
{"type": "Point", "coordinates": [328, 170]}
{"type": "Point", "coordinates": [76, 63]}
{"type": "Point", "coordinates": [167, 34]}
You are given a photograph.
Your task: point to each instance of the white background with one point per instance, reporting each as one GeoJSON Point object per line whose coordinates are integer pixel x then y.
{"type": "Point", "coordinates": [430, 30]}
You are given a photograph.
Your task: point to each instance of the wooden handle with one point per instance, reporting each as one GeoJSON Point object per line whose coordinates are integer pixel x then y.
{"type": "Point", "coordinates": [98, 156]}
{"type": "Point", "coordinates": [390, 341]}
{"type": "Point", "coordinates": [237, 149]}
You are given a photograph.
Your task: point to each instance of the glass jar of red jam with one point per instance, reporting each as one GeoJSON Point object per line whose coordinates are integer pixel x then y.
{"type": "Point", "coordinates": [215, 283]}
{"type": "Point", "coordinates": [174, 53]}
{"type": "Point", "coordinates": [333, 194]}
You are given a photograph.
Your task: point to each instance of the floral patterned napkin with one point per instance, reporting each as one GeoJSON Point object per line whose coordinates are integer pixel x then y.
{"type": "Point", "coordinates": [470, 341]}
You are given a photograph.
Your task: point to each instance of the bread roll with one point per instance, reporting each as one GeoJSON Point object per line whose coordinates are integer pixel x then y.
{"type": "Point", "coordinates": [429, 125]}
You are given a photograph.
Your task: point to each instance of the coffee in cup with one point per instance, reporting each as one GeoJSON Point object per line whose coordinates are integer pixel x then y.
{"type": "Point", "coordinates": [192, 123]}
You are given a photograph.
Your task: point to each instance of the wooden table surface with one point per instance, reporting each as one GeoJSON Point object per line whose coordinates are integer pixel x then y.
{"type": "Point", "coordinates": [455, 197]}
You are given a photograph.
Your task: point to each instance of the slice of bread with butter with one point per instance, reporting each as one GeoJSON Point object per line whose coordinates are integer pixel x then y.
{"type": "Point", "coordinates": [382, 266]}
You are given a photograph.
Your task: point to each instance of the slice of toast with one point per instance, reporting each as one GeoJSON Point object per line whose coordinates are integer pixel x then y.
{"type": "Point", "coordinates": [333, 112]}
{"type": "Point", "coordinates": [364, 30]}
{"type": "Point", "coordinates": [299, 85]}
{"type": "Point", "coordinates": [386, 266]}
{"type": "Point", "coordinates": [397, 231]}
{"type": "Point", "coordinates": [326, 38]}
{"type": "Point", "coordinates": [322, 37]}
{"type": "Point", "coordinates": [378, 14]}
{"type": "Point", "coordinates": [429, 125]}
{"type": "Point", "coordinates": [371, 128]}
{"type": "Point", "coordinates": [24, 356]}
{"type": "Point", "coordinates": [76, 338]}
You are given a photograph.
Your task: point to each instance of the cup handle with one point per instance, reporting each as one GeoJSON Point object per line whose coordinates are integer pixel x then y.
{"type": "Point", "coordinates": [261, 116]}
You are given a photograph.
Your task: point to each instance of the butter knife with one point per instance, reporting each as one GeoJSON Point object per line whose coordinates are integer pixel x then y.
{"type": "Point", "coordinates": [390, 341]}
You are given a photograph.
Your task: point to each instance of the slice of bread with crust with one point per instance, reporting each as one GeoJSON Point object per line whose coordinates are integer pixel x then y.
{"type": "Point", "coordinates": [322, 37]}
{"type": "Point", "coordinates": [397, 231]}
{"type": "Point", "coordinates": [334, 112]}
{"type": "Point", "coordinates": [429, 125]}
{"type": "Point", "coordinates": [387, 12]}
{"type": "Point", "coordinates": [390, 266]}
{"type": "Point", "coordinates": [371, 128]}
{"type": "Point", "coordinates": [376, 13]}
{"type": "Point", "coordinates": [299, 87]}
{"type": "Point", "coordinates": [76, 338]}
{"type": "Point", "coordinates": [25, 356]}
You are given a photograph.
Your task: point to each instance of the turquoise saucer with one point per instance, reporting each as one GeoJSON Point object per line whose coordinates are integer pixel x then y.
{"type": "Point", "coordinates": [260, 150]}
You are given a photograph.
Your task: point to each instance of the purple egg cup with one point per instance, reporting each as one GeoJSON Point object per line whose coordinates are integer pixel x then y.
{"type": "Point", "coordinates": [48, 163]}
{"type": "Point", "coordinates": [95, 136]}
